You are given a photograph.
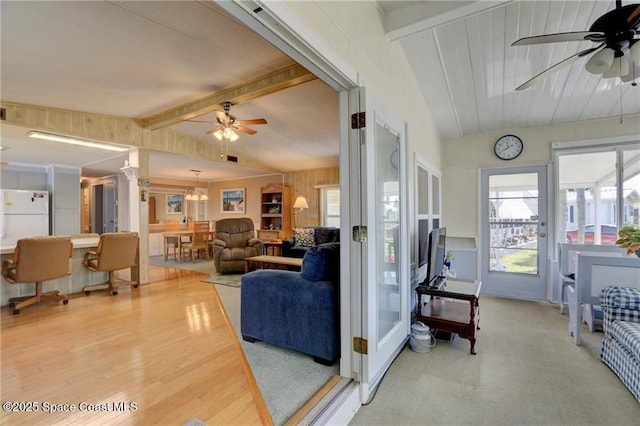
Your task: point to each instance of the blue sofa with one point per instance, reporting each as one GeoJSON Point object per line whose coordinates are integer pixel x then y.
{"type": "Point", "coordinates": [296, 310]}
{"type": "Point", "coordinates": [621, 326]}
{"type": "Point", "coordinates": [297, 247]}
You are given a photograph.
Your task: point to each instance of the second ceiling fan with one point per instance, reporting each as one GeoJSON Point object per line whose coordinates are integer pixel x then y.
{"type": "Point", "coordinates": [226, 125]}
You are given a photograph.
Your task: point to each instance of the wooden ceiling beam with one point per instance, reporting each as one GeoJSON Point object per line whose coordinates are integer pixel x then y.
{"type": "Point", "coordinates": [270, 83]}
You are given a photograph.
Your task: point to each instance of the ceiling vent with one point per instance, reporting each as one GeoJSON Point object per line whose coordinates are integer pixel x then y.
{"type": "Point", "coordinates": [232, 158]}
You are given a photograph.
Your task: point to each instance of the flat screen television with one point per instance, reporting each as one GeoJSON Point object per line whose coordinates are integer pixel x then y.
{"type": "Point", "coordinates": [437, 253]}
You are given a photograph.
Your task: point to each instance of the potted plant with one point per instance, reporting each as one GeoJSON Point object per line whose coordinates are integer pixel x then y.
{"type": "Point", "coordinates": [448, 258]}
{"type": "Point", "coordinates": [629, 239]}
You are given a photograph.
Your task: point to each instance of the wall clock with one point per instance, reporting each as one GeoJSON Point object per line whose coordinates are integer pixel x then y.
{"type": "Point", "coordinates": [508, 147]}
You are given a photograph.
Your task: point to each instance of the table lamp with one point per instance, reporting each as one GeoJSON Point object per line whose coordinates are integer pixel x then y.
{"type": "Point", "coordinates": [300, 204]}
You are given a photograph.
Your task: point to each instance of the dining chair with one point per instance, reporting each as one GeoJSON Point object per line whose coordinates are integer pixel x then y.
{"type": "Point", "coordinates": [199, 240]}
{"type": "Point", "coordinates": [171, 243]}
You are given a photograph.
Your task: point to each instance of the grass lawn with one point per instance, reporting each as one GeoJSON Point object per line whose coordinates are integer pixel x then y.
{"type": "Point", "coordinates": [522, 261]}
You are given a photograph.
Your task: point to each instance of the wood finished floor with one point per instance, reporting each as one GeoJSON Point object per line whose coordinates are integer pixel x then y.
{"type": "Point", "coordinates": [167, 346]}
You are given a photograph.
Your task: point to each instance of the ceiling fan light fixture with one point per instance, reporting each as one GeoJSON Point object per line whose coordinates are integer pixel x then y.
{"type": "Point", "coordinates": [619, 68]}
{"type": "Point", "coordinates": [601, 61]}
{"type": "Point", "coordinates": [218, 134]}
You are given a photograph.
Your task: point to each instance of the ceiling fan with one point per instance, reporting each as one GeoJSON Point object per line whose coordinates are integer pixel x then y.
{"type": "Point", "coordinates": [617, 33]}
{"type": "Point", "coordinates": [226, 125]}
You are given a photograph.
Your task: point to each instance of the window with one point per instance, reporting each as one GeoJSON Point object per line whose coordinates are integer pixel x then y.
{"type": "Point", "coordinates": [596, 196]}
{"type": "Point", "coordinates": [329, 206]}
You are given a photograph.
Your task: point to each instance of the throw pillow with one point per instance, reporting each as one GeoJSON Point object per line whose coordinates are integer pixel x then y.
{"type": "Point", "coordinates": [322, 263]}
{"type": "Point", "coordinates": [303, 237]}
{"type": "Point", "coordinates": [314, 264]}
{"type": "Point", "coordinates": [325, 235]}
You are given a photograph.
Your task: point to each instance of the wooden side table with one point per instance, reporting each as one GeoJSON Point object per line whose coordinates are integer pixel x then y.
{"type": "Point", "coordinates": [272, 248]}
{"type": "Point", "coordinates": [454, 308]}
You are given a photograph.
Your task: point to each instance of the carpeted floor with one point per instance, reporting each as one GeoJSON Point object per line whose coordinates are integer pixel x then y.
{"type": "Point", "coordinates": [287, 379]}
{"type": "Point", "coordinates": [527, 371]}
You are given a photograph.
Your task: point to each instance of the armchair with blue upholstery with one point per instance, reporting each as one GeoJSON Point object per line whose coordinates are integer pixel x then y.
{"type": "Point", "coordinates": [621, 343]}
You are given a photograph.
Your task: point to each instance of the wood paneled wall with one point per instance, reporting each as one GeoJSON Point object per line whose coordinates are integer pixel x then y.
{"type": "Point", "coordinates": [302, 183]}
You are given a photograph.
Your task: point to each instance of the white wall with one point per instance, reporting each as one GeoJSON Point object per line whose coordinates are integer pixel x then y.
{"type": "Point", "coordinates": [464, 156]}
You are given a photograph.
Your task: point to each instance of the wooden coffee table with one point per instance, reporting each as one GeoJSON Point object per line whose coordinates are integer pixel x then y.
{"type": "Point", "coordinates": [272, 262]}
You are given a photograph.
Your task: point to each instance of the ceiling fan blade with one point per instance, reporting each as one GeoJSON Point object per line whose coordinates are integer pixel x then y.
{"type": "Point", "coordinates": [245, 130]}
{"type": "Point", "coordinates": [557, 67]}
{"type": "Point", "coordinates": [252, 121]}
{"type": "Point", "coordinates": [560, 37]}
{"type": "Point", "coordinates": [213, 130]}
{"type": "Point", "coordinates": [634, 18]}
{"type": "Point", "coordinates": [222, 116]}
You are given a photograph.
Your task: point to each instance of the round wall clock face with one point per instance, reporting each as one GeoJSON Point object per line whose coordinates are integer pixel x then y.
{"type": "Point", "coordinates": [508, 147]}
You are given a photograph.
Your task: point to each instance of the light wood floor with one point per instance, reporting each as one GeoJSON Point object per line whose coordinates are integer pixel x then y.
{"type": "Point", "coordinates": [167, 346]}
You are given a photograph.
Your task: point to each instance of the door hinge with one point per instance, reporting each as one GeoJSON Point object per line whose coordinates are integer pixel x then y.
{"type": "Point", "coordinates": [360, 234]}
{"type": "Point", "coordinates": [358, 120]}
{"type": "Point", "coordinates": [360, 345]}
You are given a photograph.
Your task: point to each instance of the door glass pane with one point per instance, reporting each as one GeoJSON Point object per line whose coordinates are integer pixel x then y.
{"type": "Point", "coordinates": [388, 230]}
{"type": "Point", "coordinates": [631, 187]}
{"type": "Point", "coordinates": [513, 223]}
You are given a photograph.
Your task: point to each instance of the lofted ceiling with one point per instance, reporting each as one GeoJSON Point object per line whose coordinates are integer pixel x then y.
{"type": "Point", "coordinates": [461, 55]}
{"type": "Point", "coordinates": [135, 59]}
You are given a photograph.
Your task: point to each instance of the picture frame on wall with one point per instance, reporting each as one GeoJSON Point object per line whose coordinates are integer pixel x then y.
{"type": "Point", "coordinates": [232, 200]}
{"type": "Point", "coordinates": [174, 204]}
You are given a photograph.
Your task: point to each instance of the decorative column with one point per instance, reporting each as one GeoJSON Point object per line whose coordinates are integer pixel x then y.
{"type": "Point", "coordinates": [137, 171]}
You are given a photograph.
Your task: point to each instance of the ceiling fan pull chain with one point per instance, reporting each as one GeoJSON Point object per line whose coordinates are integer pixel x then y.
{"type": "Point", "coordinates": [621, 120]}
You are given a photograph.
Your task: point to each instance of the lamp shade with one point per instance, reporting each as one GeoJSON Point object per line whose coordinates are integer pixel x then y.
{"type": "Point", "coordinates": [601, 61]}
{"type": "Point", "coordinates": [619, 68]}
{"type": "Point", "coordinates": [301, 203]}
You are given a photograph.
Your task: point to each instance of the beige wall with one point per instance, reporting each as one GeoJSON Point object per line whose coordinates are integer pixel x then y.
{"type": "Point", "coordinates": [464, 157]}
{"type": "Point", "coordinates": [301, 183]}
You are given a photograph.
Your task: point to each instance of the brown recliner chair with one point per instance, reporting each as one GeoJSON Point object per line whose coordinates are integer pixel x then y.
{"type": "Point", "coordinates": [235, 240]}
{"type": "Point", "coordinates": [36, 260]}
{"type": "Point", "coordinates": [116, 250]}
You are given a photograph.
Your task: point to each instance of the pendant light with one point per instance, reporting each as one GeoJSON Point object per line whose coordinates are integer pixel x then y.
{"type": "Point", "coordinates": [196, 195]}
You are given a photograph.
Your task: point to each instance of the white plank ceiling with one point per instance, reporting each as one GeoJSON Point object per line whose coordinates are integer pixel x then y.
{"type": "Point", "coordinates": [462, 56]}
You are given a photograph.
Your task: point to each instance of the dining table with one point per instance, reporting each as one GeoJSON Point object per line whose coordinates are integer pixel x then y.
{"type": "Point", "coordinates": [168, 235]}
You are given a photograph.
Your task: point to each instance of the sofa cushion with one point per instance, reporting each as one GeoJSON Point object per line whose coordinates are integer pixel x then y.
{"type": "Point", "coordinates": [326, 235]}
{"type": "Point", "coordinates": [322, 263]}
{"type": "Point", "coordinates": [314, 264]}
{"type": "Point", "coordinates": [304, 237]}
{"type": "Point", "coordinates": [628, 334]}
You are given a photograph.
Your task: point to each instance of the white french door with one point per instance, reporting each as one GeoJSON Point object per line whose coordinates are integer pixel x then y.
{"type": "Point", "coordinates": [380, 244]}
{"type": "Point", "coordinates": [514, 232]}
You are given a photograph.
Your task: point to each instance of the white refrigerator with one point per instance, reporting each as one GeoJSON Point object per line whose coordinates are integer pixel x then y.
{"type": "Point", "coordinates": [23, 213]}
